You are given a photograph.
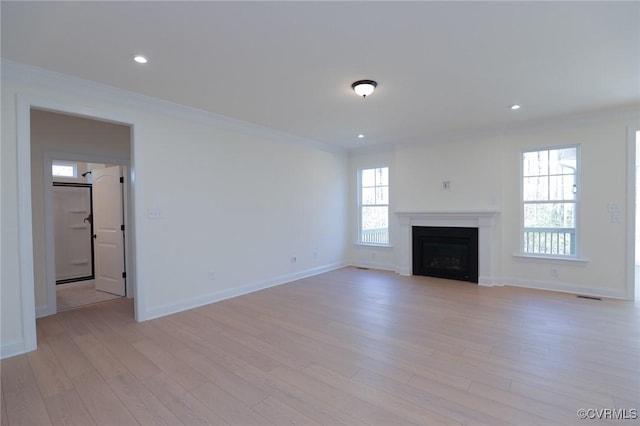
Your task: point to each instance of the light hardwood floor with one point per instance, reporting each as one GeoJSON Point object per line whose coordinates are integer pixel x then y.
{"type": "Point", "coordinates": [70, 296]}
{"type": "Point", "coordinates": [353, 347]}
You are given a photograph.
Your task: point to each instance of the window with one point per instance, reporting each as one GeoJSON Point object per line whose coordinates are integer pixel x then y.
{"type": "Point", "coordinates": [549, 198]}
{"type": "Point", "coordinates": [374, 206]}
{"type": "Point", "coordinates": [64, 169]}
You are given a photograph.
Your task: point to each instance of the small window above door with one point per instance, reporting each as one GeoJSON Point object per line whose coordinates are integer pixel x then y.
{"type": "Point", "coordinates": [64, 169]}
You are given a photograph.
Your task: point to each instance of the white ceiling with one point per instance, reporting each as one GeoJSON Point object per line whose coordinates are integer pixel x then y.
{"type": "Point", "coordinates": [443, 67]}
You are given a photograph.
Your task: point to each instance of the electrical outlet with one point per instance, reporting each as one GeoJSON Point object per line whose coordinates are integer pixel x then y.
{"type": "Point", "coordinates": [554, 272]}
{"type": "Point", "coordinates": [211, 276]}
{"type": "Point", "coordinates": [294, 259]}
{"type": "Point", "coordinates": [446, 185]}
{"type": "Point", "coordinates": [315, 255]}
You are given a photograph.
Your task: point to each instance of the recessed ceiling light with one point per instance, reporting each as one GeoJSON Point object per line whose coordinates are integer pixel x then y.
{"type": "Point", "coordinates": [360, 136]}
{"type": "Point", "coordinates": [514, 107]}
{"type": "Point", "coordinates": [140, 59]}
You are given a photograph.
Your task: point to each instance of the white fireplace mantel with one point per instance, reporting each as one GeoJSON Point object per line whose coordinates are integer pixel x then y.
{"type": "Point", "coordinates": [481, 219]}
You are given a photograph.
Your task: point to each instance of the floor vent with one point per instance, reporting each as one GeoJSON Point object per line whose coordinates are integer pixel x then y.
{"type": "Point", "coordinates": [588, 297]}
{"type": "Point", "coordinates": [363, 268]}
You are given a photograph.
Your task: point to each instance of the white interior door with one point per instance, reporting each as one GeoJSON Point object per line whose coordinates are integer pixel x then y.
{"type": "Point", "coordinates": [109, 237]}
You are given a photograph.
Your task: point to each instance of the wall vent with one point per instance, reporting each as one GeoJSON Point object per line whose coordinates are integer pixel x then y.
{"type": "Point", "coordinates": [582, 296]}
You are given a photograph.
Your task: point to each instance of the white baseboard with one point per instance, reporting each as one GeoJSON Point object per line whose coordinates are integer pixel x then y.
{"type": "Point", "coordinates": [374, 265]}
{"type": "Point", "coordinates": [548, 285]}
{"type": "Point", "coordinates": [483, 281]}
{"type": "Point", "coordinates": [42, 311]}
{"type": "Point", "coordinates": [10, 349]}
{"type": "Point", "coordinates": [490, 281]}
{"type": "Point", "coordinates": [564, 288]}
{"type": "Point", "coordinates": [183, 305]}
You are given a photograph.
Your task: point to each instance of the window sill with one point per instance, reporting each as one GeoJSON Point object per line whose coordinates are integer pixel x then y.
{"type": "Point", "coordinates": [373, 245]}
{"type": "Point", "coordinates": [551, 257]}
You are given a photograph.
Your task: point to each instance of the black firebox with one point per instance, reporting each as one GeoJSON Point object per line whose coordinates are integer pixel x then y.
{"type": "Point", "coordinates": [446, 252]}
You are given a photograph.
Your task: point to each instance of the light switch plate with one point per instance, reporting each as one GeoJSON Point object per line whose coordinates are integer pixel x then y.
{"type": "Point", "coordinates": [154, 213]}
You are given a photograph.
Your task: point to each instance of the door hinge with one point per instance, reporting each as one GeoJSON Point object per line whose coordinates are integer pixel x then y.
{"type": "Point", "coordinates": [124, 275]}
{"type": "Point", "coordinates": [121, 179]}
{"type": "Point", "coordinates": [122, 227]}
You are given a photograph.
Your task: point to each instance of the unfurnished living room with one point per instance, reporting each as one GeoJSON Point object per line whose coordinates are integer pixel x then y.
{"type": "Point", "coordinates": [337, 213]}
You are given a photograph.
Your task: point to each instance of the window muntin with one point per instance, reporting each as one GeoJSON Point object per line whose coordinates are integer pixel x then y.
{"type": "Point", "coordinates": [549, 196]}
{"type": "Point", "coordinates": [64, 169]}
{"type": "Point", "coordinates": [374, 206]}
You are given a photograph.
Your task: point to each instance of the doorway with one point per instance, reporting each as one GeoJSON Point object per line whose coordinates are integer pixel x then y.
{"type": "Point", "coordinates": [637, 217]}
{"type": "Point", "coordinates": [30, 204]}
{"type": "Point", "coordinates": [88, 144]}
{"type": "Point", "coordinates": [89, 217]}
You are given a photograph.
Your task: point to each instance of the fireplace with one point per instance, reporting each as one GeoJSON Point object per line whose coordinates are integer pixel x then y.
{"type": "Point", "coordinates": [483, 220]}
{"type": "Point", "coordinates": [445, 252]}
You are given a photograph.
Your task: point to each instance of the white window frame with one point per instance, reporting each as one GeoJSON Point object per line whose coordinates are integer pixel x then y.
{"type": "Point", "coordinates": [65, 164]}
{"type": "Point", "coordinates": [576, 202]}
{"type": "Point", "coordinates": [360, 205]}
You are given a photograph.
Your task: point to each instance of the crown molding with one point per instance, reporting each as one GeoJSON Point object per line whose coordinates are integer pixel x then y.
{"type": "Point", "coordinates": [628, 112]}
{"type": "Point", "coordinates": [52, 80]}
{"type": "Point", "coordinates": [372, 149]}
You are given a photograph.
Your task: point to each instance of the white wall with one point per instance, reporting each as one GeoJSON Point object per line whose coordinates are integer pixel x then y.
{"type": "Point", "coordinates": [472, 166]}
{"type": "Point", "coordinates": [11, 326]}
{"type": "Point", "coordinates": [603, 175]}
{"type": "Point", "coordinates": [238, 206]}
{"type": "Point", "coordinates": [236, 199]}
{"type": "Point", "coordinates": [484, 175]}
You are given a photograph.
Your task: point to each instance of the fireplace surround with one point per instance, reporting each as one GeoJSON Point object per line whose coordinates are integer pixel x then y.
{"type": "Point", "coordinates": [483, 220]}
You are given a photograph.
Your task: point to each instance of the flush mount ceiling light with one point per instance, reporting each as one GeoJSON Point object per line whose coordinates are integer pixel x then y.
{"type": "Point", "coordinates": [360, 136]}
{"type": "Point", "coordinates": [140, 59]}
{"type": "Point", "coordinates": [514, 107]}
{"type": "Point", "coordinates": [364, 88]}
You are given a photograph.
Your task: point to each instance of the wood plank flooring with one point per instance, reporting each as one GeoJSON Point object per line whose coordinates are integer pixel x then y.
{"type": "Point", "coordinates": [349, 347]}
{"type": "Point", "coordinates": [69, 296]}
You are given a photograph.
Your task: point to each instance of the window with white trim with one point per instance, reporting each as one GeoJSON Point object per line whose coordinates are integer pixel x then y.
{"type": "Point", "coordinates": [550, 201]}
{"type": "Point", "coordinates": [64, 169]}
{"type": "Point", "coordinates": [373, 200]}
